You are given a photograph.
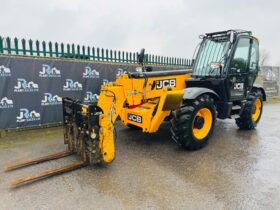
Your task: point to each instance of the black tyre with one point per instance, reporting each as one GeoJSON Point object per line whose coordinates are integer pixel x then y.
{"type": "Point", "coordinates": [193, 122]}
{"type": "Point", "coordinates": [252, 111]}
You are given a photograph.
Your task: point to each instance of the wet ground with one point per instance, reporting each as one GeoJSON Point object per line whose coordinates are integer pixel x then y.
{"type": "Point", "coordinates": [237, 170]}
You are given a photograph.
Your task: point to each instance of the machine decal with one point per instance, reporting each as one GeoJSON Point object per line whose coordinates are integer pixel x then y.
{"type": "Point", "coordinates": [134, 118]}
{"type": "Point", "coordinates": [166, 82]}
{"type": "Point", "coordinates": [238, 86]}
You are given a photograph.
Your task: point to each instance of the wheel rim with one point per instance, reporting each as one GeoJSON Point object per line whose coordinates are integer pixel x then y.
{"type": "Point", "coordinates": [257, 110]}
{"type": "Point", "coordinates": [201, 131]}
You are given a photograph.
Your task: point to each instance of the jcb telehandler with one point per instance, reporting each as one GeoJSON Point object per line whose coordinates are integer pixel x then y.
{"type": "Point", "coordinates": [220, 85]}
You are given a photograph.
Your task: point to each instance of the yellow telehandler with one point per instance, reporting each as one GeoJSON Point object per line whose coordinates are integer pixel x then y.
{"type": "Point", "coordinates": [220, 85]}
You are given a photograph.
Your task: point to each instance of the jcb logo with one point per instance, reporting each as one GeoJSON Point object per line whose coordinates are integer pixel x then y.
{"type": "Point", "coordinates": [238, 86]}
{"type": "Point", "coordinates": [134, 118]}
{"type": "Point", "coordinates": [167, 82]}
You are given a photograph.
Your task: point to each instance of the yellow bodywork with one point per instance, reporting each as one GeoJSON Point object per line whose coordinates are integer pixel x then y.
{"type": "Point", "coordinates": [143, 102]}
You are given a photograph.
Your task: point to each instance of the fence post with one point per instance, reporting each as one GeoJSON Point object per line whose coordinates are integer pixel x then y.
{"type": "Point", "coordinates": [44, 48]}
{"type": "Point", "coordinates": [84, 52]}
{"type": "Point", "coordinates": [16, 45]}
{"type": "Point", "coordinates": [102, 54]}
{"type": "Point", "coordinates": [78, 54]}
{"type": "Point", "coordinates": [30, 46]}
{"type": "Point", "coordinates": [50, 50]}
{"type": "Point", "coordinates": [8, 40]}
{"type": "Point", "coordinates": [37, 47]}
{"type": "Point", "coordinates": [119, 56]}
{"type": "Point", "coordinates": [115, 55]}
{"type": "Point", "coordinates": [107, 55]}
{"type": "Point", "coordinates": [98, 53]}
{"type": "Point", "coordinates": [23, 42]}
{"type": "Point", "coordinates": [111, 55]}
{"type": "Point", "coordinates": [88, 52]}
{"type": "Point", "coordinates": [68, 50]}
{"type": "Point", "coordinates": [126, 55]}
{"type": "Point", "coordinates": [73, 51]}
{"type": "Point", "coordinates": [134, 57]}
{"type": "Point", "coordinates": [123, 56]}
{"type": "Point", "coordinates": [62, 49]}
{"type": "Point", "coordinates": [56, 49]}
{"type": "Point", "coordinates": [146, 58]}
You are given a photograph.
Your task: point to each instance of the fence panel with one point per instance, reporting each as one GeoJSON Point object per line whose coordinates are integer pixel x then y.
{"type": "Point", "coordinates": [49, 49]}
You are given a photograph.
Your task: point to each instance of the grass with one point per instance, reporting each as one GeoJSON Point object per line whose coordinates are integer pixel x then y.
{"type": "Point", "coordinates": [27, 136]}
{"type": "Point", "coordinates": [273, 100]}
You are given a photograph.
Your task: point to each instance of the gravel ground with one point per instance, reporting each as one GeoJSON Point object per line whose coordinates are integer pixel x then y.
{"type": "Point", "coordinates": [237, 170]}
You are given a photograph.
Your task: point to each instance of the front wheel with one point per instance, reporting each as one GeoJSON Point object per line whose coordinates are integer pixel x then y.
{"type": "Point", "coordinates": [252, 112]}
{"type": "Point", "coordinates": [193, 122]}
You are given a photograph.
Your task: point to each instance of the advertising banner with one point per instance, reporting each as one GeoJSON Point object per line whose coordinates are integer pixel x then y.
{"type": "Point", "coordinates": [31, 89]}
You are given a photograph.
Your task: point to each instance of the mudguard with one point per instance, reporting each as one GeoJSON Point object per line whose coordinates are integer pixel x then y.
{"type": "Point", "coordinates": [260, 87]}
{"type": "Point", "coordinates": [194, 92]}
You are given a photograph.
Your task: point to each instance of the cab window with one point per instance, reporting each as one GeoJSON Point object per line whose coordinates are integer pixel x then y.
{"type": "Point", "coordinates": [253, 67]}
{"type": "Point", "coordinates": [240, 60]}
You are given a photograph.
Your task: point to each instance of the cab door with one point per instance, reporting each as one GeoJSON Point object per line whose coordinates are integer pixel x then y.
{"type": "Point", "coordinates": [239, 70]}
{"type": "Point", "coordinates": [253, 64]}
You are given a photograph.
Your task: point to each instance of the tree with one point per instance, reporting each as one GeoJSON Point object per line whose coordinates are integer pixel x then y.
{"type": "Point", "coordinates": [264, 57]}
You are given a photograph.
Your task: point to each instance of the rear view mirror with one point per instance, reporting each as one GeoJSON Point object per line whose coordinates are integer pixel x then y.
{"type": "Point", "coordinates": [141, 56]}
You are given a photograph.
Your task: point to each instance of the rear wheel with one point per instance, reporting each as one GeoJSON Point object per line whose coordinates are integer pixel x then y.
{"type": "Point", "coordinates": [252, 112]}
{"type": "Point", "coordinates": [193, 122]}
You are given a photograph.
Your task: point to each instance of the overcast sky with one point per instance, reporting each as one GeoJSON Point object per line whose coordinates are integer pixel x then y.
{"type": "Point", "coordinates": [163, 27]}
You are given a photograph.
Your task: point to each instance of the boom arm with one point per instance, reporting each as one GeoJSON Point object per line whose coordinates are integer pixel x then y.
{"type": "Point", "coordinates": [140, 99]}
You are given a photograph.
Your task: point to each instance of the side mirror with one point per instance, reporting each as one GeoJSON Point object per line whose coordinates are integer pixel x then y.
{"type": "Point", "coordinates": [141, 56]}
{"type": "Point", "coordinates": [215, 65]}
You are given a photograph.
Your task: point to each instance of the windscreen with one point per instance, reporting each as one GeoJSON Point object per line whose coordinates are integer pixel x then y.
{"type": "Point", "coordinates": [211, 51]}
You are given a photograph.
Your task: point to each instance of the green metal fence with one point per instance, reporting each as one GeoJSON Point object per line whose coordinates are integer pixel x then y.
{"type": "Point", "coordinates": [72, 51]}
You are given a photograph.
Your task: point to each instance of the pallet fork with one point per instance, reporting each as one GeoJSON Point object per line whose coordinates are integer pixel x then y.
{"type": "Point", "coordinates": [46, 173]}
{"type": "Point", "coordinates": [80, 123]}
